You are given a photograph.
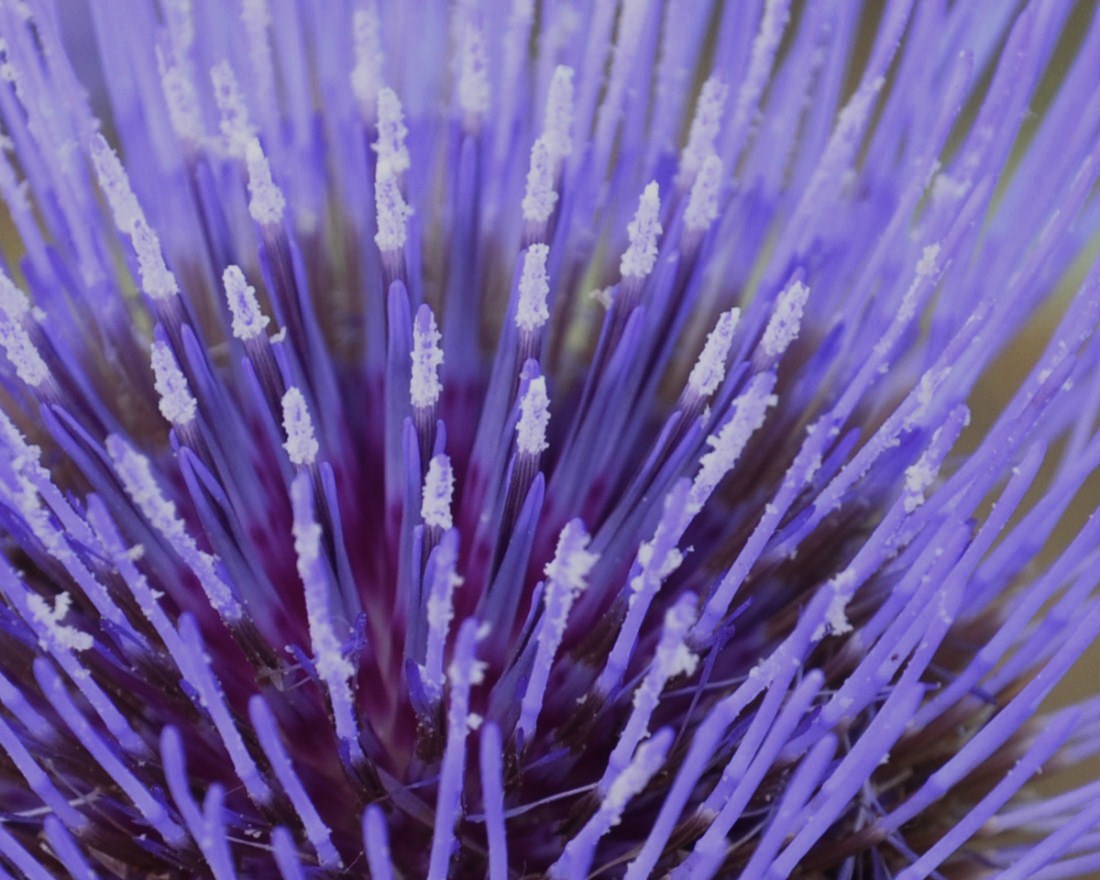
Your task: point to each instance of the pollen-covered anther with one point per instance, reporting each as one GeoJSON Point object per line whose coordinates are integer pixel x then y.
{"type": "Point", "coordinates": [534, 418]}
{"type": "Point", "coordinates": [439, 484]}
{"type": "Point", "coordinates": [540, 196]}
{"type": "Point", "coordinates": [710, 368]}
{"type": "Point", "coordinates": [390, 146]}
{"type": "Point", "coordinates": [705, 126]}
{"type": "Point", "coordinates": [266, 203]}
{"type": "Point", "coordinates": [427, 357]}
{"type": "Point", "coordinates": [702, 206]}
{"type": "Point", "coordinates": [391, 211]}
{"type": "Point", "coordinates": [177, 404]}
{"type": "Point", "coordinates": [557, 130]}
{"type": "Point", "coordinates": [301, 444]}
{"type": "Point", "coordinates": [644, 231]}
{"type": "Point", "coordinates": [22, 353]}
{"type": "Point", "coordinates": [181, 99]}
{"type": "Point", "coordinates": [473, 79]}
{"type": "Point", "coordinates": [366, 75]}
{"type": "Point", "coordinates": [50, 619]}
{"type": "Point", "coordinates": [237, 131]}
{"type": "Point", "coordinates": [248, 320]}
{"type": "Point", "coordinates": [531, 309]}
{"type": "Point", "coordinates": [786, 320]}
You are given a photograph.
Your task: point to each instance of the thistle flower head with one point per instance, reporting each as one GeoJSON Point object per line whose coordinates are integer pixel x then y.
{"type": "Point", "coordinates": [510, 439]}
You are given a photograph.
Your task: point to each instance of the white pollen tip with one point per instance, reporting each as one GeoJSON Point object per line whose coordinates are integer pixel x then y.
{"type": "Point", "coordinates": [23, 354]}
{"type": "Point", "coordinates": [531, 309]}
{"type": "Point", "coordinates": [301, 445]}
{"type": "Point", "coordinates": [391, 210]}
{"type": "Point", "coordinates": [702, 206]}
{"type": "Point", "coordinates": [540, 197]}
{"type": "Point", "coordinates": [926, 267]}
{"type": "Point", "coordinates": [439, 484]}
{"type": "Point", "coordinates": [427, 356]}
{"type": "Point", "coordinates": [14, 303]}
{"type": "Point", "coordinates": [237, 131]}
{"type": "Point", "coordinates": [705, 126]}
{"type": "Point", "coordinates": [558, 120]}
{"type": "Point", "coordinates": [248, 321]}
{"type": "Point", "coordinates": [643, 231]}
{"type": "Point", "coordinates": [391, 133]}
{"type": "Point", "coordinates": [572, 562]}
{"type": "Point", "coordinates": [710, 369]}
{"type": "Point", "coordinates": [115, 185]}
{"type": "Point", "coordinates": [534, 417]}
{"type": "Point", "coordinates": [182, 100]}
{"type": "Point", "coordinates": [473, 80]}
{"type": "Point", "coordinates": [786, 319]}
{"type": "Point", "coordinates": [50, 619]}
{"type": "Point", "coordinates": [366, 75]}
{"type": "Point", "coordinates": [265, 202]}
{"type": "Point", "coordinates": [176, 403]}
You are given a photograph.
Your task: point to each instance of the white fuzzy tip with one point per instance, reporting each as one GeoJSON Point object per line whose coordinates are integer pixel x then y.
{"type": "Point", "coordinates": [50, 619]}
{"type": "Point", "coordinates": [439, 485]}
{"type": "Point", "coordinates": [391, 133]}
{"type": "Point", "coordinates": [705, 126]}
{"type": "Point", "coordinates": [391, 211]}
{"type": "Point", "coordinates": [182, 100]}
{"type": "Point", "coordinates": [115, 185]}
{"type": "Point", "coordinates": [786, 319]}
{"type": "Point", "coordinates": [14, 304]}
{"type": "Point", "coordinates": [473, 80]}
{"type": "Point", "coordinates": [176, 403]}
{"type": "Point", "coordinates": [248, 321]}
{"type": "Point", "coordinates": [427, 356]}
{"type": "Point", "coordinates": [557, 126]}
{"type": "Point", "coordinates": [710, 369]}
{"type": "Point", "coordinates": [539, 198]}
{"type": "Point", "coordinates": [531, 309]}
{"type": "Point", "coordinates": [266, 202]}
{"type": "Point", "coordinates": [644, 230]}
{"type": "Point", "coordinates": [236, 129]}
{"type": "Point", "coordinates": [23, 354]}
{"type": "Point", "coordinates": [366, 75]}
{"type": "Point", "coordinates": [572, 562]}
{"type": "Point", "coordinates": [534, 417]}
{"type": "Point", "coordinates": [301, 445]}
{"type": "Point", "coordinates": [926, 267]}
{"type": "Point", "coordinates": [702, 206]}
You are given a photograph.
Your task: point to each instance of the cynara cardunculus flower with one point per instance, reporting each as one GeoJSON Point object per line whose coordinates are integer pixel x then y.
{"type": "Point", "coordinates": [513, 439]}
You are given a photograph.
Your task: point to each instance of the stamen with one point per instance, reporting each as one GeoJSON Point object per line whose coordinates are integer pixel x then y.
{"type": "Point", "coordinates": [557, 127]}
{"type": "Point", "coordinates": [705, 125]}
{"type": "Point", "coordinates": [237, 131]}
{"type": "Point", "coordinates": [702, 206]}
{"type": "Point", "coordinates": [540, 197]}
{"type": "Point", "coordinates": [50, 619]}
{"type": "Point", "coordinates": [534, 418]}
{"type": "Point", "coordinates": [391, 149]}
{"type": "Point", "coordinates": [427, 356]}
{"type": "Point", "coordinates": [391, 210]}
{"type": "Point", "coordinates": [567, 576]}
{"type": "Point", "coordinates": [473, 80]}
{"type": "Point", "coordinates": [531, 309]}
{"type": "Point", "coordinates": [176, 403]}
{"type": "Point", "coordinates": [366, 75]}
{"type": "Point", "coordinates": [266, 202]}
{"type": "Point", "coordinates": [644, 230]}
{"type": "Point", "coordinates": [785, 320]}
{"type": "Point", "coordinates": [182, 100]}
{"type": "Point", "coordinates": [710, 368]}
{"type": "Point", "coordinates": [442, 579]}
{"type": "Point", "coordinates": [248, 321]}
{"type": "Point", "coordinates": [301, 444]}
{"type": "Point", "coordinates": [439, 485]}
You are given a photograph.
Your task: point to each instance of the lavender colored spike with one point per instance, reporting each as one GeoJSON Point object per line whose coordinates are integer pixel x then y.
{"type": "Point", "coordinates": [286, 855]}
{"type": "Point", "coordinates": [375, 843]}
{"type": "Point", "coordinates": [319, 835]}
{"type": "Point", "coordinates": [465, 672]}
